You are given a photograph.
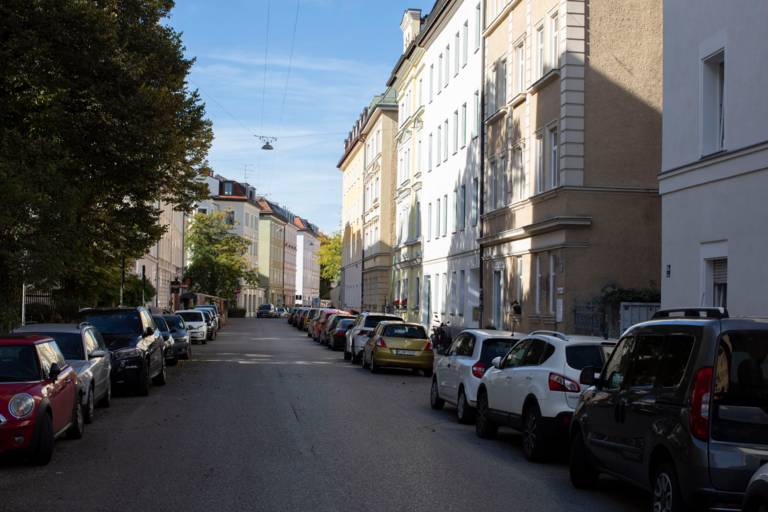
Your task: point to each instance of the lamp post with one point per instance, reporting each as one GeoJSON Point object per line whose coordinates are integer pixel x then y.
{"type": "Point", "coordinates": [267, 140]}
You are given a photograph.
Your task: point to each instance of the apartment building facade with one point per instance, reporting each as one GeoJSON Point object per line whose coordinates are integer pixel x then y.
{"type": "Point", "coordinates": [407, 79]}
{"type": "Point", "coordinates": [452, 69]}
{"type": "Point", "coordinates": [715, 147]}
{"type": "Point", "coordinates": [272, 234]}
{"type": "Point", "coordinates": [570, 198]}
{"type": "Point", "coordinates": [164, 262]}
{"type": "Point", "coordinates": [307, 263]}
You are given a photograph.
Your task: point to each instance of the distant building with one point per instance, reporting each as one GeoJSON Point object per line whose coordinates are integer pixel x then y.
{"type": "Point", "coordinates": [714, 169]}
{"type": "Point", "coordinates": [164, 262]}
{"type": "Point", "coordinates": [272, 252]}
{"type": "Point", "coordinates": [307, 264]}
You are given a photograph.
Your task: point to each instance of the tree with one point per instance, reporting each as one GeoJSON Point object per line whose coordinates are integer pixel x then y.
{"type": "Point", "coordinates": [98, 128]}
{"type": "Point", "coordinates": [217, 257]}
{"type": "Point", "coordinates": [329, 257]}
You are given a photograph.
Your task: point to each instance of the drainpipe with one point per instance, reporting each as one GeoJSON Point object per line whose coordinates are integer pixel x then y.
{"type": "Point", "coordinates": [480, 192]}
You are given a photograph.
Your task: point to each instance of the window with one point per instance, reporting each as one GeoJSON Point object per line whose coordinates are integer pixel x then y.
{"type": "Point", "coordinates": [429, 221]}
{"type": "Point", "coordinates": [437, 293]}
{"type": "Point", "coordinates": [445, 215]}
{"type": "Point", "coordinates": [445, 293]}
{"type": "Point", "coordinates": [540, 181]}
{"type": "Point", "coordinates": [538, 284]}
{"type": "Point", "coordinates": [455, 209]}
{"type": "Point", "coordinates": [463, 125]}
{"type": "Point", "coordinates": [519, 279]}
{"type": "Point", "coordinates": [520, 60]}
{"type": "Point", "coordinates": [228, 188]}
{"type": "Point", "coordinates": [417, 297]}
{"type": "Point", "coordinates": [427, 300]}
{"type": "Point", "coordinates": [501, 84]}
{"type": "Point", "coordinates": [465, 43]}
{"type": "Point", "coordinates": [421, 92]}
{"type": "Point", "coordinates": [475, 201]}
{"type": "Point", "coordinates": [497, 298]}
{"type": "Point", "coordinates": [539, 352]}
{"type": "Point", "coordinates": [456, 55]}
{"type": "Point", "coordinates": [713, 104]}
{"type": "Point", "coordinates": [478, 27]}
{"type": "Point", "coordinates": [616, 368]}
{"type": "Point", "coordinates": [552, 261]}
{"type": "Point", "coordinates": [672, 366]}
{"type": "Point", "coordinates": [454, 296]}
{"type": "Point", "coordinates": [437, 219]}
{"type": "Point", "coordinates": [439, 73]}
{"type": "Point", "coordinates": [230, 218]}
{"type": "Point", "coordinates": [554, 44]}
{"type": "Point", "coordinates": [539, 64]}
{"type": "Point", "coordinates": [419, 162]}
{"type": "Point", "coordinates": [646, 360]}
{"type": "Point", "coordinates": [439, 142]}
{"type": "Point", "coordinates": [478, 115]}
{"type": "Point", "coordinates": [463, 207]}
{"type": "Point", "coordinates": [554, 158]}
{"type": "Point", "coordinates": [447, 64]}
{"type": "Point", "coordinates": [445, 141]}
{"type": "Point", "coordinates": [519, 185]}
{"type": "Point", "coordinates": [429, 153]}
{"type": "Point", "coordinates": [462, 292]}
{"type": "Point", "coordinates": [418, 218]}
{"type": "Point", "coordinates": [720, 282]}
{"type": "Point", "coordinates": [455, 131]}
{"type": "Point", "coordinates": [431, 81]}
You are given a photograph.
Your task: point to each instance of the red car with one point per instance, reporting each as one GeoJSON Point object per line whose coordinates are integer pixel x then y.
{"type": "Point", "coordinates": [38, 396]}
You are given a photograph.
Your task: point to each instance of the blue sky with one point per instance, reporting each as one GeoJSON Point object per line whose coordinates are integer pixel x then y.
{"type": "Point", "coordinates": [343, 54]}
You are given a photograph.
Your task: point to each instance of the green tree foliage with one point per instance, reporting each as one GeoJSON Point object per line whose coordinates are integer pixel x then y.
{"type": "Point", "coordinates": [217, 257]}
{"type": "Point", "coordinates": [329, 257]}
{"type": "Point", "coordinates": [98, 128]}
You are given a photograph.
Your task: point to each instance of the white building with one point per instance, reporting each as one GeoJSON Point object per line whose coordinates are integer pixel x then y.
{"type": "Point", "coordinates": [714, 174]}
{"type": "Point", "coordinates": [452, 81]}
{"type": "Point", "coordinates": [164, 262]}
{"type": "Point", "coordinates": [307, 264]}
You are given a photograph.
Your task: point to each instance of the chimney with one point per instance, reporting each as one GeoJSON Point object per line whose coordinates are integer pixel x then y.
{"type": "Point", "coordinates": [410, 25]}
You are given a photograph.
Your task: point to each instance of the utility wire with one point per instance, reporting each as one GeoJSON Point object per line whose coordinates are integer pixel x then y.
{"type": "Point", "coordinates": [290, 64]}
{"type": "Point", "coordinates": [266, 53]}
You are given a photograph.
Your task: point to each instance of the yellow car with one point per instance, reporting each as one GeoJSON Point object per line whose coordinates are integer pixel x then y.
{"type": "Point", "coordinates": [398, 345]}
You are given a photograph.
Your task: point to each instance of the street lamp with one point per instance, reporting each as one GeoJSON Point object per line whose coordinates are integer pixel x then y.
{"type": "Point", "coordinates": [267, 142]}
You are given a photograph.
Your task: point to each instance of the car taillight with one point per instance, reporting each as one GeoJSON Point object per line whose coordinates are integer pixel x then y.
{"type": "Point", "coordinates": [478, 369]}
{"type": "Point", "coordinates": [558, 382]}
{"type": "Point", "coordinates": [428, 347]}
{"type": "Point", "coordinates": [380, 343]}
{"type": "Point", "coordinates": [699, 418]}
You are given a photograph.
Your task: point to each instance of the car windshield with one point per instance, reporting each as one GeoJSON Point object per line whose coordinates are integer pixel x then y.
{"type": "Point", "coordinates": [265, 307]}
{"type": "Point", "coordinates": [191, 316]}
{"type": "Point", "coordinates": [70, 344]}
{"type": "Point", "coordinates": [405, 331]}
{"type": "Point", "coordinates": [497, 347]}
{"type": "Point", "coordinates": [160, 322]}
{"type": "Point", "coordinates": [346, 323]}
{"type": "Point", "coordinates": [581, 356]}
{"type": "Point", "coordinates": [373, 320]}
{"type": "Point", "coordinates": [741, 388]}
{"type": "Point", "coordinates": [115, 322]}
{"type": "Point", "coordinates": [174, 321]}
{"type": "Point", "coordinates": [18, 363]}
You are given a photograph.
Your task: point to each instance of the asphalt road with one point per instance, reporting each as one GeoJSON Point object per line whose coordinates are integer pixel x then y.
{"type": "Point", "coordinates": [263, 418]}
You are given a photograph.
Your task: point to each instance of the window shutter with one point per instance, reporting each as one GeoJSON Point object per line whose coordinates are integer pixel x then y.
{"type": "Point", "coordinates": [720, 271]}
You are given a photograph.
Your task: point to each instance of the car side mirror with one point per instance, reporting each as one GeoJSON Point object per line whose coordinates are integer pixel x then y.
{"type": "Point", "coordinates": [97, 353]}
{"type": "Point", "coordinates": [54, 371]}
{"type": "Point", "coordinates": [496, 362]}
{"type": "Point", "coordinates": [589, 376]}
{"type": "Point", "coordinates": [149, 331]}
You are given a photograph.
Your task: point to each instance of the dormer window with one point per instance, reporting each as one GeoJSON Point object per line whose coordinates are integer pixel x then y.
{"type": "Point", "coordinates": [228, 188]}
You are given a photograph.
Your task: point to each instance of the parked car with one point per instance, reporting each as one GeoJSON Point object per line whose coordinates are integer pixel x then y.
{"type": "Point", "coordinates": [398, 345]}
{"type": "Point", "coordinates": [210, 326]}
{"type": "Point", "coordinates": [756, 497]}
{"type": "Point", "coordinates": [679, 409]}
{"type": "Point", "coordinates": [135, 344]}
{"type": "Point", "coordinates": [534, 388]}
{"type": "Point", "coordinates": [182, 346]}
{"type": "Point", "coordinates": [361, 331]}
{"type": "Point", "coordinates": [39, 394]}
{"type": "Point", "coordinates": [84, 350]}
{"type": "Point", "coordinates": [326, 335]}
{"type": "Point", "coordinates": [282, 312]}
{"type": "Point", "coordinates": [215, 317]}
{"type": "Point", "coordinates": [165, 332]}
{"type": "Point", "coordinates": [308, 319]}
{"type": "Point", "coordinates": [459, 371]}
{"type": "Point", "coordinates": [319, 326]}
{"type": "Point", "coordinates": [266, 311]}
{"type": "Point", "coordinates": [197, 328]}
{"type": "Point", "coordinates": [338, 336]}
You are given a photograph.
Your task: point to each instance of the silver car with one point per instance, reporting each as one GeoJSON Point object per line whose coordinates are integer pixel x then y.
{"type": "Point", "coordinates": [756, 497]}
{"type": "Point", "coordinates": [84, 350]}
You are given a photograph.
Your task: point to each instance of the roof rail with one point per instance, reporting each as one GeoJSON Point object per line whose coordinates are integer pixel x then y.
{"type": "Point", "coordinates": [691, 313]}
{"type": "Point", "coordinates": [551, 333]}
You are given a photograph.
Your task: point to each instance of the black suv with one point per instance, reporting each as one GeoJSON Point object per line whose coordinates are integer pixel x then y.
{"type": "Point", "coordinates": [135, 343]}
{"type": "Point", "coordinates": [680, 409]}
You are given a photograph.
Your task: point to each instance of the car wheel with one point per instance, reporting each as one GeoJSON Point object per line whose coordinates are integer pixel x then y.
{"type": "Point", "coordinates": [533, 442]}
{"type": "Point", "coordinates": [171, 362]}
{"type": "Point", "coordinates": [106, 400]}
{"type": "Point", "coordinates": [464, 412]}
{"type": "Point", "coordinates": [142, 386]}
{"type": "Point", "coordinates": [427, 373]}
{"type": "Point", "coordinates": [435, 402]}
{"type": "Point", "coordinates": [189, 352]}
{"type": "Point", "coordinates": [666, 490]}
{"type": "Point", "coordinates": [42, 447]}
{"type": "Point", "coordinates": [205, 340]}
{"type": "Point", "coordinates": [583, 472]}
{"type": "Point", "coordinates": [161, 378]}
{"type": "Point", "coordinates": [374, 367]}
{"type": "Point", "coordinates": [89, 408]}
{"type": "Point", "coordinates": [347, 355]}
{"type": "Point", "coordinates": [485, 428]}
{"type": "Point", "coordinates": [365, 364]}
{"type": "Point", "coordinates": [77, 428]}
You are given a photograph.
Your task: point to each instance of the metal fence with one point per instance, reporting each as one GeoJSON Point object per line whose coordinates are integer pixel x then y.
{"type": "Point", "coordinates": [592, 319]}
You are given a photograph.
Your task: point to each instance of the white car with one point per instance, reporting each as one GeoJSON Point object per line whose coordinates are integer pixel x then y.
{"type": "Point", "coordinates": [458, 372]}
{"type": "Point", "coordinates": [196, 325]}
{"type": "Point", "coordinates": [535, 388]}
{"type": "Point", "coordinates": [359, 333]}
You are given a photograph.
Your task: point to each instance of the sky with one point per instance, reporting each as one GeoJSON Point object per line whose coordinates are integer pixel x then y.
{"type": "Point", "coordinates": [309, 98]}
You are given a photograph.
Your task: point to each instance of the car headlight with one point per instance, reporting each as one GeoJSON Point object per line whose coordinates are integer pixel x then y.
{"type": "Point", "coordinates": [126, 353]}
{"type": "Point", "coordinates": [21, 405]}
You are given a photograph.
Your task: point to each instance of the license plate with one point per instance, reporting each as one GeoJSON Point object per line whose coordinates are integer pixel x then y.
{"type": "Point", "coordinates": [401, 352]}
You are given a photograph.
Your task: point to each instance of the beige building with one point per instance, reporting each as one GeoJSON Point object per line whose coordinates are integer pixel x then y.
{"type": "Point", "coordinates": [164, 262]}
{"type": "Point", "coordinates": [271, 252]}
{"type": "Point", "coordinates": [307, 263]}
{"type": "Point", "coordinates": [408, 81]}
{"type": "Point", "coordinates": [289, 260]}
{"type": "Point", "coordinates": [571, 153]}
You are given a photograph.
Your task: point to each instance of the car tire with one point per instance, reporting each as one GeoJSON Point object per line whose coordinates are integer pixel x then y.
{"type": "Point", "coordinates": [161, 379]}
{"type": "Point", "coordinates": [41, 451]}
{"type": "Point", "coordinates": [76, 430]}
{"type": "Point", "coordinates": [485, 428]}
{"type": "Point", "coordinates": [106, 400]}
{"type": "Point", "coordinates": [427, 373]}
{"type": "Point", "coordinates": [666, 495]}
{"type": "Point", "coordinates": [89, 408]}
{"type": "Point", "coordinates": [171, 362]}
{"type": "Point", "coordinates": [205, 340]}
{"type": "Point", "coordinates": [435, 402]}
{"type": "Point", "coordinates": [365, 364]}
{"type": "Point", "coordinates": [583, 472]}
{"type": "Point", "coordinates": [464, 412]}
{"type": "Point", "coordinates": [142, 386]}
{"type": "Point", "coordinates": [374, 367]}
{"type": "Point", "coordinates": [347, 355]}
{"type": "Point", "coordinates": [189, 352]}
{"type": "Point", "coordinates": [533, 440]}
